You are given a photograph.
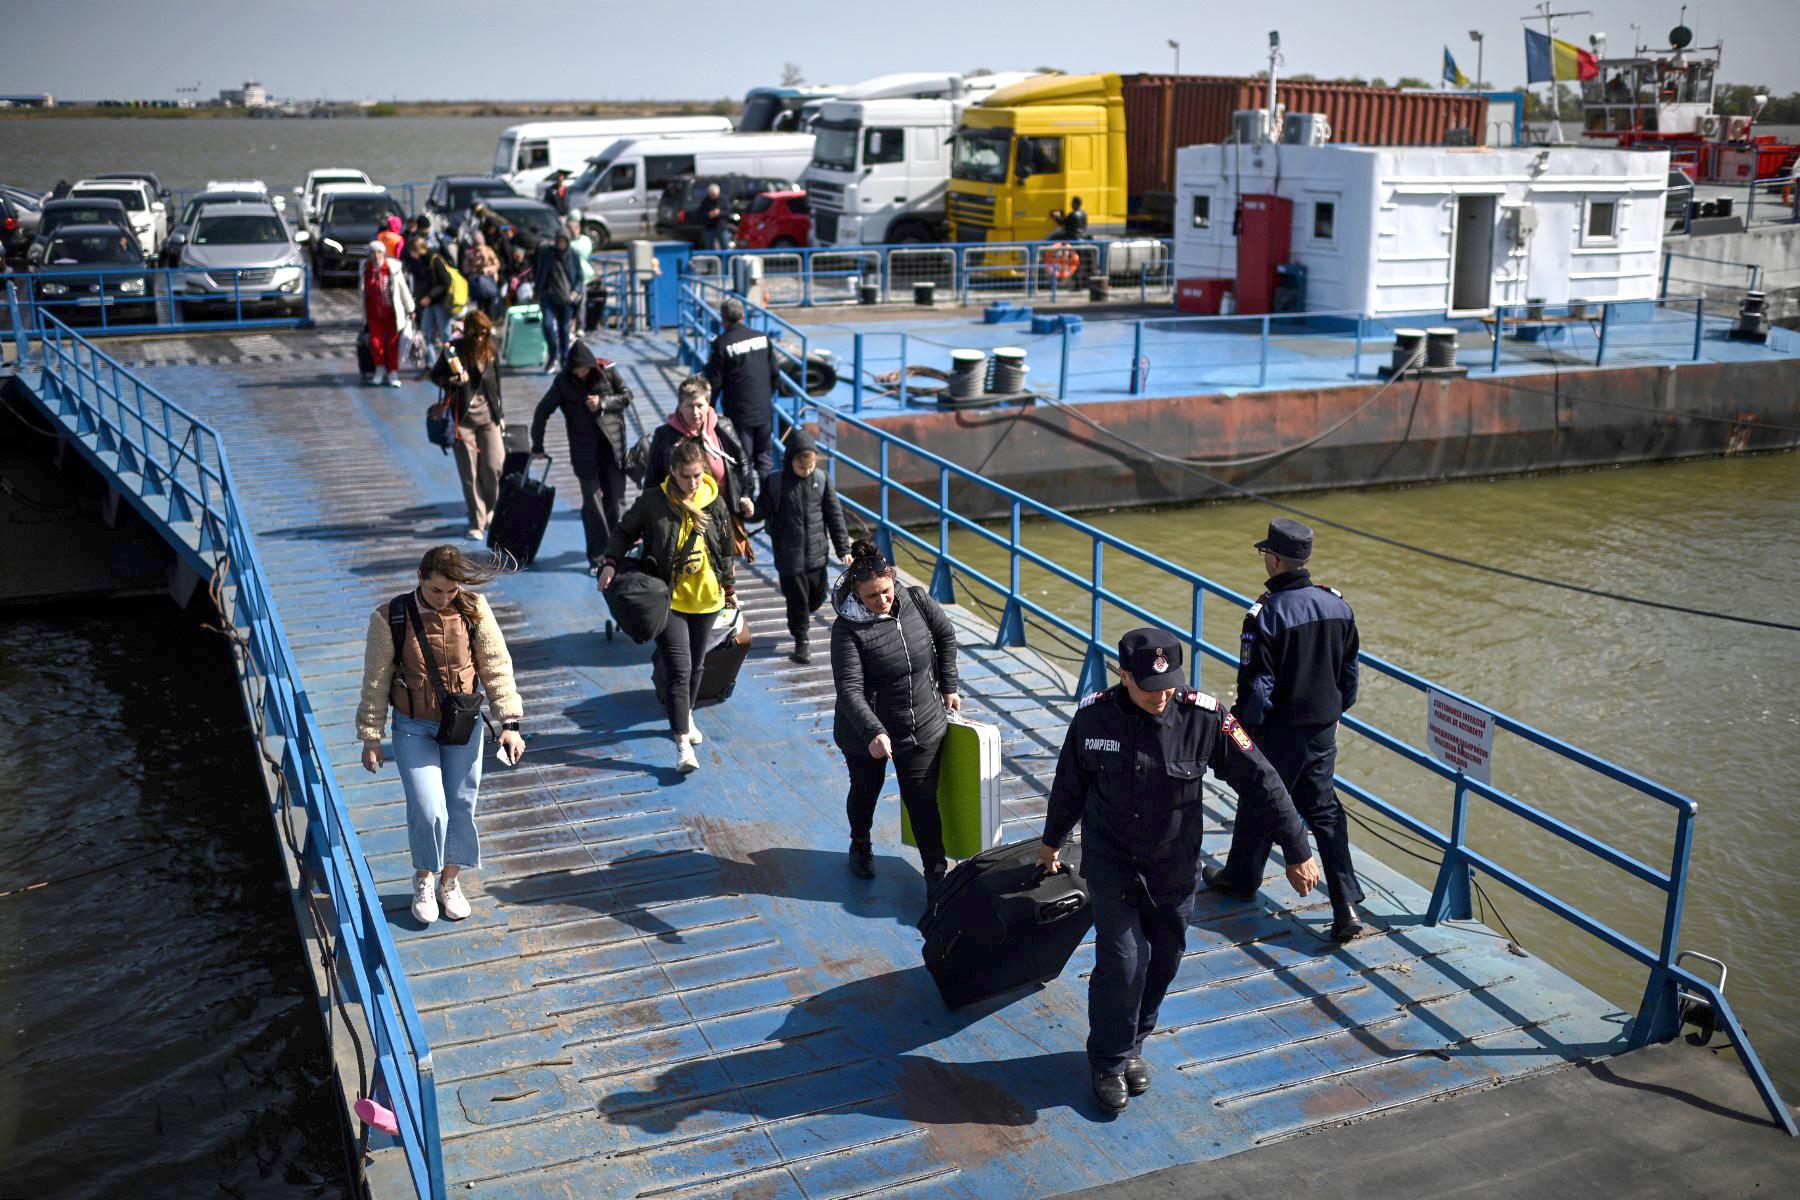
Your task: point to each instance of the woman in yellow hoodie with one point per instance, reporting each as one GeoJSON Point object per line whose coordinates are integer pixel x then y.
{"type": "Point", "coordinates": [685, 526]}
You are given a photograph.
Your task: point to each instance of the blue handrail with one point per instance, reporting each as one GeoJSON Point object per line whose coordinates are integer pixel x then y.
{"type": "Point", "coordinates": [164, 298]}
{"type": "Point", "coordinates": [1659, 1015]}
{"type": "Point", "coordinates": [174, 467]}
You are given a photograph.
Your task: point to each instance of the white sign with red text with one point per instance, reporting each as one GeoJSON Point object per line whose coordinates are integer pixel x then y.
{"type": "Point", "coordinates": [1459, 735]}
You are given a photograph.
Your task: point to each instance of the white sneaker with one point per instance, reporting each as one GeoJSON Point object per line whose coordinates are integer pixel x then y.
{"type": "Point", "coordinates": [685, 762]}
{"type": "Point", "coordinates": [394, 379]}
{"type": "Point", "coordinates": [473, 534]}
{"type": "Point", "coordinates": [693, 733]}
{"type": "Point", "coordinates": [425, 905]}
{"type": "Point", "coordinates": [456, 905]}
{"type": "Point", "coordinates": [380, 376]}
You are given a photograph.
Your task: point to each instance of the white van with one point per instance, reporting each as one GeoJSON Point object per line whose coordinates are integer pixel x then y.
{"type": "Point", "coordinates": [526, 154]}
{"type": "Point", "coordinates": [616, 196]}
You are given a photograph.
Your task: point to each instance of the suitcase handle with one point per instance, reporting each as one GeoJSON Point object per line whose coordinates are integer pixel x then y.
{"type": "Point", "coordinates": [1056, 910]}
{"type": "Point", "coordinates": [544, 478]}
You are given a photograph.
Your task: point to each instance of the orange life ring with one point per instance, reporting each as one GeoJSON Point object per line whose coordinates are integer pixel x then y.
{"type": "Point", "coordinates": [1063, 262]}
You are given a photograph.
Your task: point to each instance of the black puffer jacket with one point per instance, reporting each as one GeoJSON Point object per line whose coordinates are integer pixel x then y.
{"type": "Point", "coordinates": [805, 520]}
{"type": "Point", "coordinates": [740, 480]}
{"type": "Point", "coordinates": [892, 672]}
{"type": "Point", "coordinates": [589, 432]}
{"type": "Point", "coordinates": [654, 519]}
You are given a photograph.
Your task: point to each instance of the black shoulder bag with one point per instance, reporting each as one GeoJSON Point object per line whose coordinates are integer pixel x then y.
{"type": "Point", "coordinates": [457, 711]}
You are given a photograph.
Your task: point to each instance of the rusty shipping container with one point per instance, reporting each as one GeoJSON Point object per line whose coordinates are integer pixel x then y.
{"type": "Point", "coordinates": [1166, 112]}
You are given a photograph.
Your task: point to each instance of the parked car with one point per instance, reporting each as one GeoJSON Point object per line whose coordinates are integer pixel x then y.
{"type": "Point", "coordinates": [148, 177]}
{"type": "Point", "coordinates": [27, 207]}
{"type": "Point", "coordinates": [322, 177]}
{"type": "Point", "coordinates": [776, 219]}
{"type": "Point", "coordinates": [348, 220]}
{"type": "Point", "coordinates": [58, 213]}
{"type": "Point", "coordinates": [249, 185]}
{"type": "Point", "coordinates": [14, 237]}
{"type": "Point", "coordinates": [241, 257]}
{"type": "Point", "coordinates": [149, 216]}
{"type": "Point", "coordinates": [93, 275]}
{"type": "Point", "coordinates": [184, 222]}
{"type": "Point", "coordinates": [532, 220]}
{"type": "Point", "coordinates": [678, 212]}
{"type": "Point", "coordinates": [453, 195]}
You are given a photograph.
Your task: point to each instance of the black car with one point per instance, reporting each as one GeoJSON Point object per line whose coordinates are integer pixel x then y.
{"type": "Point", "coordinates": [150, 177]}
{"type": "Point", "coordinates": [678, 212]}
{"type": "Point", "coordinates": [93, 275]}
{"type": "Point", "coordinates": [453, 195]}
{"type": "Point", "coordinates": [532, 221]}
{"type": "Point", "coordinates": [14, 237]}
{"type": "Point", "coordinates": [58, 213]}
{"type": "Point", "coordinates": [347, 222]}
{"type": "Point", "coordinates": [179, 231]}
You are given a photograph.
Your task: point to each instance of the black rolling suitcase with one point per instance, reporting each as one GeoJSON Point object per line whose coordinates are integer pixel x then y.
{"type": "Point", "coordinates": [518, 451]}
{"type": "Point", "coordinates": [523, 513]}
{"type": "Point", "coordinates": [998, 923]}
{"type": "Point", "coordinates": [718, 674]}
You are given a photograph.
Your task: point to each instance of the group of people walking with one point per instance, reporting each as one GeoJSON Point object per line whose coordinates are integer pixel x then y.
{"type": "Point", "coordinates": [1132, 761]}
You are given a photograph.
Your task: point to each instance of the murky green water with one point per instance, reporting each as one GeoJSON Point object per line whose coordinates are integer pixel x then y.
{"type": "Point", "coordinates": [1709, 708]}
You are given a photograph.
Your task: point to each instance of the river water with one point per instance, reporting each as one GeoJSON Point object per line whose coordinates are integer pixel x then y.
{"type": "Point", "coordinates": [155, 1039]}
{"type": "Point", "coordinates": [1707, 707]}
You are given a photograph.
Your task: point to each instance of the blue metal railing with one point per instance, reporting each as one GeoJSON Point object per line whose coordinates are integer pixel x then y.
{"type": "Point", "coordinates": [1659, 1015]}
{"type": "Point", "coordinates": [174, 468]}
{"type": "Point", "coordinates": [139, 300]}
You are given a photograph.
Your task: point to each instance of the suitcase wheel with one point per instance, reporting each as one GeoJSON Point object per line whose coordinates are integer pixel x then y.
{"type": "Point", "coordinates": [609, 629]}
{"type": "Point", "coordinates": [725, 692]}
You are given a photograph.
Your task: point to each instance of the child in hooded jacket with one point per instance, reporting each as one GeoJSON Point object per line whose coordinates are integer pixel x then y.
{"type": "Point", "coordinates": [806, 529]}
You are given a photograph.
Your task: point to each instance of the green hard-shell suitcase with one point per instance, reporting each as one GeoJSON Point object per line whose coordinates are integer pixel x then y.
{"type": "Point", "coordinates": [968, 790]}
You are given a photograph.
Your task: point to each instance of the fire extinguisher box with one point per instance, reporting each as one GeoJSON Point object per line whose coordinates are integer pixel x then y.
{"type": "Point", "coordinates": [1263, 244]}
{"type": "Point", "coordinates": [1203, 296]}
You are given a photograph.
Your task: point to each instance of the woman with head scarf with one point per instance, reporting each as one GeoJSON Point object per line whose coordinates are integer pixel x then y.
{"type": "Point", "coordinates": [391, 237]}
{"type": "Point", "coordinates": [387, 311]}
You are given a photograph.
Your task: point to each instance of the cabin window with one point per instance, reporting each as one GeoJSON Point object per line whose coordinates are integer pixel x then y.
{"type": "Point", "coordinates": [662, 168]}
{"type": "Point", "coordinates": [884, 146]}
{"type": "Point", "coordinates": [1202, 211]}
{"type": "Point", "coordinates": [1039, 156]}
{"type": "Point", "coordinates": [1324, 220]}
{"type": "Point", "coordinates": [1602, 220]}
{"type": "Point", "coordinates": [533, 155]}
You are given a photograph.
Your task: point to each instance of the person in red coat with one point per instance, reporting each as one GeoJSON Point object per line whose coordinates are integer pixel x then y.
{"type": "Point", "coordinates": [387, 311]}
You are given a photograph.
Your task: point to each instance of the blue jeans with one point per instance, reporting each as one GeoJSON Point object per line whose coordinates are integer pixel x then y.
{"type": "Point", "coordinates": [441, 784]}
{"type": "Point", "coordinates": [434, 323]}
{"type": "Point", "coordinates": [558, 320]}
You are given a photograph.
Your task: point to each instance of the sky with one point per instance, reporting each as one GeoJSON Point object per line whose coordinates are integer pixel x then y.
{"type": "Point", "coordinates": [704, 49]}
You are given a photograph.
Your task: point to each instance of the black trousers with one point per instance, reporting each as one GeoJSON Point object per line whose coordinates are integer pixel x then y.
{"type": "Point", "coordinates": [1138, 943]}
{"type": "Point", "coordinates": [917, 771]}
{"type": "Point", "coordinates": [804, 594]}
{"type": "Point", "coordinates": [759, 446]}
{"type": "Point", "coordinates": [602, 480]}
{"type": "Point", "coordinates": [1305, 759]}
{"type": "Point", "coordinates": [681, 647]}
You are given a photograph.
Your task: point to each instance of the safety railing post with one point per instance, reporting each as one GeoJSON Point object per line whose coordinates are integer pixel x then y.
{"type": "Point", "coordinates": [1012, 617]}
{"type": "Point", "coordinates": [1450, 900]}
{"type": "Point", "coordinates": [1668, 264]}
{"type": "Point", "coordinates": [1605, 322]}
{"type": "Point", "coordinates": [1093, 663]}
{"type": "Point", "coordinates": [1699, 325]}
{"type": "Point", "coordinates": [1062, 374]}
{"type": "Point", "coordinates": [903, 370]}
{"type": "Point", "coordinates": [1750, 206]}
{"type": "Point", "coordinates": [883, 530]}
{"type": "Point", "coordinates": [1262, 366]}
{"type": "Point", "coordinates": [1659, 1012]}
{"type": "Point", "coordinates": [856, 378]}
{"type": "Point", "coordinates": [943, 579]}
{"type": "Point", "coordinates": [1137, 357]}
{"type": "Point", "coordinates": [1499, 334]}
{"type": "Point", "coordinates": [1197, 637]}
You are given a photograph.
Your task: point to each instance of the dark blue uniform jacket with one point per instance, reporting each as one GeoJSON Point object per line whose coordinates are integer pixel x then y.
{"type": "Point", "coordinates": [1297, 661]}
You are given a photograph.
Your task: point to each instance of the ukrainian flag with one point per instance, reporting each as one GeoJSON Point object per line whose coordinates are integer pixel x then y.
{"type": "Point", "coordinates": [1549, 59]}
{"type": "Point", "coordinates": [1452, 74]}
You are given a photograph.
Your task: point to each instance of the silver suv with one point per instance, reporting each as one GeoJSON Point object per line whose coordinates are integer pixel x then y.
{"type": "Point", "coordinates": [240, 257]}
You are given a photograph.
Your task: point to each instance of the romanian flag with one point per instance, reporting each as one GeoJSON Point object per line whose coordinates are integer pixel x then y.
{"type": "Point", "coordinates": [1451, 73]}
{"type": "Point", "coordinates": [1548, 59]}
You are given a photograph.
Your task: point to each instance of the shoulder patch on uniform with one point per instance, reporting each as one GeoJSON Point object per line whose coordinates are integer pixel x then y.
{"type": "Point", "coordinates": [1089, 699]}
{"type": "Point", "coordinates": [1200, 699]}
{"type": "Point", "coordinates": [1332, 590]}
{"type": "Point", "coordinates": [1254, 609]}
{"type": "Point", "coordinates": [1237, 733]}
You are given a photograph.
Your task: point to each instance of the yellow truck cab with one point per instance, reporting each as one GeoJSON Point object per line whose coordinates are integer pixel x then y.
{"type": "Point", "coordinates": [1025, 151]}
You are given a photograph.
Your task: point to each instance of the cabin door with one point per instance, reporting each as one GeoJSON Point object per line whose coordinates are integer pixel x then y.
{"type": "Point", "coordinates": [1472, 263]}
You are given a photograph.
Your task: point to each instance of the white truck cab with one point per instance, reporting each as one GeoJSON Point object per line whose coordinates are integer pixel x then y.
{"type": "Point", "coordinates": [525, 155]}
{"type": "Point", "coordinates": [881, 159]}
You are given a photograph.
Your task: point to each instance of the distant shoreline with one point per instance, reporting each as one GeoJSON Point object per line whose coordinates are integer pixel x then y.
{"type": "Point", "coordinates": [544, 109]}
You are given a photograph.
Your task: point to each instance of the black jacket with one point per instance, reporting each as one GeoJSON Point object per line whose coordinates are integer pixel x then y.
{"type": "Point", "coordinates": [433, 281]}
{"type": "Point", "coordinates": [1133, 780]}
{"type": "Point", "coordinates": [485, 382]}
{"type": "Point", "coordinates": [654, 520]}
{"type": "Point", "coordinates": [892, 672]}
{"type": "Point", "coordinates": [545, 274]}
{"type": "Point", "coordinates": [804, 519]}
{"type": "Point", "coordinates": [589, 432]}
{"type": "Point", "coordinates": [745, 376]}
{"type": "Point", "coordinates": [739, 480]}
{"type": "Point", "coordinates": [1297, 658]}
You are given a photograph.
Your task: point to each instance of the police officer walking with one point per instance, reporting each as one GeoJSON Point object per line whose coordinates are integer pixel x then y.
{"type": "Point", "coordinates": [746, 377]}
{"type": "Point", "coordinates": [1130, 772]}
{"type": "Point", "coordinates": [1296, 677]}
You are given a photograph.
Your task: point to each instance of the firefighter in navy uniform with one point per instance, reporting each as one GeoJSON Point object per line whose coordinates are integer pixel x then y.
{"type": "Point", "coordinates": [746, 377]}
{"type": "Point", "coordinates": [1296, 677]}
{"type": "Point", "coordinates": [1130, 772]}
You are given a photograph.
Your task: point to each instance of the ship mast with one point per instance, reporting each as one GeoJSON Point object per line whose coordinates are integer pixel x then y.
{"type": "Point", "coordinates": [1550, 33]}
